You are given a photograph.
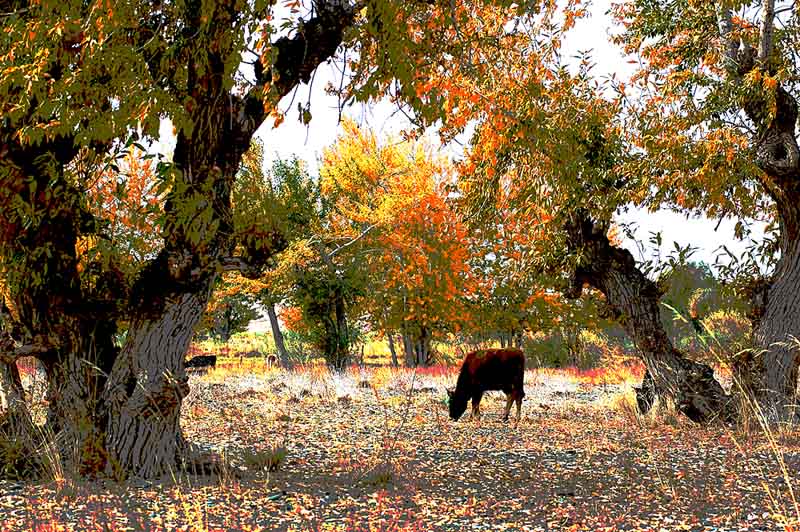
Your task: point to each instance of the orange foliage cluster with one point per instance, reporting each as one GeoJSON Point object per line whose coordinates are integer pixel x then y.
{"type": "Point", "coordinates": [131, 200]}
{"type": "Point", "coordinates": [418, 264]}
{"type": "Point", "coordinates": [292, 318]}
{"type": "Point", "coordinates": [616, 374]}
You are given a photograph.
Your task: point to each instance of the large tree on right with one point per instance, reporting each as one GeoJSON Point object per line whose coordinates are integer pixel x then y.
{"type": "Point", "coordinates": [719, 88]}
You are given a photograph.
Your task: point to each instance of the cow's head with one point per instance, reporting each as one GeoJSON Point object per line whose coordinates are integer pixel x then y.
{"type": "Point", "coordinates": [456, 404]}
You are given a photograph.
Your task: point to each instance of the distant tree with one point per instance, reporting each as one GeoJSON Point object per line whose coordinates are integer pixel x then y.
{"type": "Point", "coordinates": [227, 314]}
{"type": "Point", "coordinates": [413, 249]}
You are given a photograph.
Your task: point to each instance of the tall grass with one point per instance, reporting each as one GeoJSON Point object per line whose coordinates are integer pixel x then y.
{"type": "Point", "coordinates": [753, 420]}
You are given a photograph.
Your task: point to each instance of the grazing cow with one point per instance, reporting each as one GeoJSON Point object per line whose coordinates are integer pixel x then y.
{"type": "Point", "coordinates": [202, 362]}
{"type": "Point", "coordinates": [489, 369]}
{"type": "Point", "coordinates": [272, 360]}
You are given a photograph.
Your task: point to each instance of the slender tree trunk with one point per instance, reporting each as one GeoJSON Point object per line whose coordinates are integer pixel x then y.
{"type": "Point", "coordinates": [343, 334]}
{"type": "Point", "coordinates": [392, 349]}
{"type": "Point", "coordinates": [425, 346]}
{"type": "Point", "coordinates": [634, 299]}
{"type": "Point", "coordinates": [277, 335]}
{"type": "Point", "coordinates": [408, 348]}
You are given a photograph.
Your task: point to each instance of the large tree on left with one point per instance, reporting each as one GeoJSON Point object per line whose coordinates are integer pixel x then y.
{"type": "Point", "coordinates": [77, 80]}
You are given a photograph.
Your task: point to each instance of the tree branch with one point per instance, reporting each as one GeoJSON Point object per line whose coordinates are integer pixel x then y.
{"type": "Point", "coordinates": [9, 353]}
{"type": "Point", "coordinates": [725, 24]}
{"type": "Point", "coordinates": [351, 242]}
{"type": "Point", "coordinates": [767, 27]}
{"type": "Point", "coordinates": [238, 264]}
{"type": "Point", "coordinates": [314, 42]}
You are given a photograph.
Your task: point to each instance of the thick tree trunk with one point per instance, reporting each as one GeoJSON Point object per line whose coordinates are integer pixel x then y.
{"type": "Point", "coordinates": [146, 388]}
{"type": "Point", "coordinates": [768, 374]}
{"type": "Point", "coordinates": [634, 299]}
{"type": "Point", "coordinates": [646, 393]}
{"type": "Point", "coordinates": [277, 335]}
{"type": "Point", "coordinates": [392, 349]}
{"type": "Point", "coordinates": [147, 382]}
{"type": "Point", "coordinates": [72, 325]}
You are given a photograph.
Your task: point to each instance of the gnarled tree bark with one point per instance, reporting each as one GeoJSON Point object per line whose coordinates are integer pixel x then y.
{"type": "Point", "coordinates": [635, 300]}
{"type": "Point", "coordinates": [148, 381]}
{"type": "Point", "coordinates": [768, 374]}
{"type": "Point", "coordinates": [146, 388]}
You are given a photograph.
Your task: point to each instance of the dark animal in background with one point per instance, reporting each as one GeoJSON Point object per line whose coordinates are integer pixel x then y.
{"type": "Point", "coordinates": [272, 360]}
{"type": "Point", "coordinates": [202, 362]}
{"type": "Point", "coordinates": [485, 370]}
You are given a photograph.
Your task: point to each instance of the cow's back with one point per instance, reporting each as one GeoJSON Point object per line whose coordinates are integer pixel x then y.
{"type": "Point", "coordinates": [496, 369]}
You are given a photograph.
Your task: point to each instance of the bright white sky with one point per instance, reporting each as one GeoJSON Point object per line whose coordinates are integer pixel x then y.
{"type": "Point", "coordinates": [292, 138]}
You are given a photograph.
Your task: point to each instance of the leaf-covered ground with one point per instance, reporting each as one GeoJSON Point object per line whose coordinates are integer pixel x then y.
{"type": "Point", "coordinates": [375, 451]}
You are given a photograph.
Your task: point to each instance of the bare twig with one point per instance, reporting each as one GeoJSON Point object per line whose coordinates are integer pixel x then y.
{"type": "Point", "coordinates": [351, 242]}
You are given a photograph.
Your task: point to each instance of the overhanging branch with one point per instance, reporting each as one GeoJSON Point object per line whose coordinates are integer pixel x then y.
{"type": "Point", "coordinates": [315, 41]}
{"type": "Point", "coordinates": [239, 264]}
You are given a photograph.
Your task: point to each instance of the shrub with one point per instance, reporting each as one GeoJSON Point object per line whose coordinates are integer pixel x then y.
{"type": "Point", "coordinates": [18, 461]}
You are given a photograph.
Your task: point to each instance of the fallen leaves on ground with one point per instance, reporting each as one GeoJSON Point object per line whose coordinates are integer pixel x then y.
{"type": "Point", "coordinates": [313, 452]}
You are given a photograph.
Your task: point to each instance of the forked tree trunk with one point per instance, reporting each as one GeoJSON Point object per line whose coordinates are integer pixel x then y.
{"type": "Point", "coordinates": [635, 301]}
{"type": "Point", "coordinates": [146, 388]}
{"type": "Point", "coordinates": [277, 335]}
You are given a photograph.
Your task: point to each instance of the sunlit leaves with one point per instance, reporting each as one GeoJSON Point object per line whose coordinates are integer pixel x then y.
{"type": "Point", "coordinates": [414, 255]}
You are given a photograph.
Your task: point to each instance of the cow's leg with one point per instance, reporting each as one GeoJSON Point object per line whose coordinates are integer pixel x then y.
{"type": "Point", "coordinates": [519, 406]}
{"type": "Point", "coordinates": [509, 400]}
{"type": "Point", "coordinates": [476, 405]}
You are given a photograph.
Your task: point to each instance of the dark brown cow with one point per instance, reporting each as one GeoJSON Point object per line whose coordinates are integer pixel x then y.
{"type": "Point", "coordinates": [201, 363]}
{"type": "Point", "coordinates": [489, 369]}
